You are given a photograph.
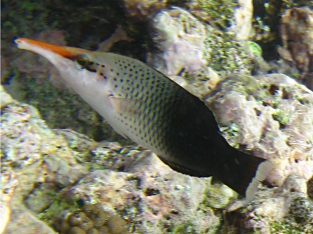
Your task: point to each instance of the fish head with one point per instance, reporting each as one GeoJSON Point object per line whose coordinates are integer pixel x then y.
{"type": "Point", "coordinates": [86, 72]}
{"type": "Point", "coordinates": [70, 62]}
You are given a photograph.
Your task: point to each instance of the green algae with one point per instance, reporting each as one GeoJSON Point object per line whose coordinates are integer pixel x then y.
{"type": "Point", "coordinates": [57, 207]}
{"type": "Point", "coordinates": [219, 14]}
{"type": "Point", "coordinates": [217, 196]}
{"type": "Point", "coordinates": [282, 117]}
{"type": "Point", "coordinates": [232, 131]}
{"type": "Point", "coordinates": [301, 210]}
{"type": "Point", "coordinates": [34, 18]}
{"type": "Point", "coordinates": [186, 228]}
{"type": "Point", "coordinates": [226, 55]}
{"type": "Point", "coordinates": [67, 215]}
{"type": "Point", "coordinates": [298, 221]}
{"type": "Point", "coordinates": [286, 227]}
{"type": "Point", "coordinates": [255, 48]}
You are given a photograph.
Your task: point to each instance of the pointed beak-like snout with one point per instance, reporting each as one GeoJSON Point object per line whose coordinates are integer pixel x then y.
{"type": "Point", "coordinates": [42, 47]}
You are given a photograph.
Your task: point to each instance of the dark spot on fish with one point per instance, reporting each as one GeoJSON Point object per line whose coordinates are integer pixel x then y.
{"type": "Point", "coordinates": [150, 139]}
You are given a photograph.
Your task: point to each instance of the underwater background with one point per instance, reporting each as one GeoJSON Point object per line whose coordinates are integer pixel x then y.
{"type": "Point", "coordinates": [63, 168]}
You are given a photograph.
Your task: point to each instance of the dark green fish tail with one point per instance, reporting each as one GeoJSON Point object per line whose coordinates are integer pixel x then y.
{"type": "Point", "coordinates": [238, 170]}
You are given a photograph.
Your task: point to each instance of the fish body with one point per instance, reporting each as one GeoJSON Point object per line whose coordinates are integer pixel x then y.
{"type": "Point", "coordinates": [146, 106]}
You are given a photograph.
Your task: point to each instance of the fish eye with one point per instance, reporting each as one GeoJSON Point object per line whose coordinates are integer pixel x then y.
{"type": "Point", "coordinates": [82, 61]}
{"type": "Point", "coordinates": [85, 63]}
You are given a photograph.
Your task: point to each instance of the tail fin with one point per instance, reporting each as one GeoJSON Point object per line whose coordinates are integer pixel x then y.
{"type": "Point", "coordinates": [238, 170]}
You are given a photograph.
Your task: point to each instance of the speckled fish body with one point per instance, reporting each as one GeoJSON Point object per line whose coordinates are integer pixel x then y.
{"type": "Point", "coordinates": [146, 106]}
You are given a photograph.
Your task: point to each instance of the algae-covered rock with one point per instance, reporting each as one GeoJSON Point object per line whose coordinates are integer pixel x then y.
{"type": "Point", "coordinates": [91, 219]}
{"type": "Point", "coordinates": [220, 14]}
{"type": "Point", "coordinates": [278, 210]}
{"type": "Point", "coordinates": [141, 9]}
{"type": "Point", "coordinates": [196, 55]}
{"type": "Point", "coordinates": [270, 115]}
{"type": "Point", "coordinates": [31, 155]}
{"type": "Point", "coordinates": [186, 45]}
{"type": "Point", "coordinates": [26, 138]}
{"type": "Point", "coordinates": [28, 146]}
{"type": "Point", "coordinates": [147, 198]}
{"type": "Point", "coordinates": [177, 34]}
{"type": "Point", "coordinates": [297, 37]}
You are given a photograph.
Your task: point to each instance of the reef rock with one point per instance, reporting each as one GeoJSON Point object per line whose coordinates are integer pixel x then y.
{"type": "Point", "coordinates": [244, 18]}
{"type": "Point", "coordinates": [297, 37]}
{"type": "Point", "coordinates": [189, 50]}
{"type": "Point", "coordinates": [147, 197]}
{"type": "Point", "coordinates": [272, 116]}
{"type": "Point", "coordinates": [180, 38]}
{"type": "Point", "coordinates": [286, 209]}
{"type": "Point", "coordinates": [142, 9]}
{"type": "Point", "coordinates": [32, 155]}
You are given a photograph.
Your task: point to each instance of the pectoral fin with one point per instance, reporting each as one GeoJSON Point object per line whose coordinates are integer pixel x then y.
{"type": "Point", "coordinates": [125, 106]}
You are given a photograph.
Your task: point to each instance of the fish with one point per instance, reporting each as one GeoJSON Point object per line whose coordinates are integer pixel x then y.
{"type": "Point", "coordinates": [146, 106]}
